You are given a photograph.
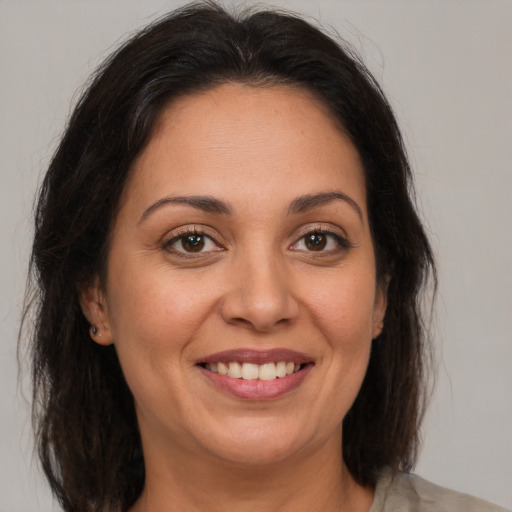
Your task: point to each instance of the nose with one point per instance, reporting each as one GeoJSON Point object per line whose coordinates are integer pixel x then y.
{"type": "Point", "coordinates": [260, 296]}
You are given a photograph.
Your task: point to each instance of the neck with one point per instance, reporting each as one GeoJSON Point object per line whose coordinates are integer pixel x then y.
{"type": "Point", "coordinates": [318, 481]}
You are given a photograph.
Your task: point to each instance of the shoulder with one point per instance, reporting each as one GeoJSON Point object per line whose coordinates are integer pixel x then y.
{"type": "Point", "coordinates": [406, 492]}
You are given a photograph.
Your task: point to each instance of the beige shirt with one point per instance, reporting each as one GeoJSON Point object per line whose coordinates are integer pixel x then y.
{"type": "Point", "coordinates": [403, 492]}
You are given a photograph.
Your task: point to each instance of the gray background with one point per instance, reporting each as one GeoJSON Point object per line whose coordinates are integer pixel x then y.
{"type": "Point", "coordinates": [446, 67]}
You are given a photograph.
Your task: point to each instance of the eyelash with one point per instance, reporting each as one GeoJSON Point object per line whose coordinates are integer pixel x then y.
{"type": "Point", "coordinates": [342, 242]}
{"type": "Point", "coordinates": [182, 235]}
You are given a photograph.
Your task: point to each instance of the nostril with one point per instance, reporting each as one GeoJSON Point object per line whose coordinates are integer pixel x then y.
{"type": "Point", "coordinates": [242, 322]}
{"type": "Point", "coordinates": [245, 309]}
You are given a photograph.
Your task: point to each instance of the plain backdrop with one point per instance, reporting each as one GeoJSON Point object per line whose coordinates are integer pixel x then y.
{"type": "Point", "coordinates": [446, 67]}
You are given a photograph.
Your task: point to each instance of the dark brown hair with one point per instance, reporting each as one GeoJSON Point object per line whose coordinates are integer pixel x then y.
{"type": "Point", "coordinates": [83, 411]}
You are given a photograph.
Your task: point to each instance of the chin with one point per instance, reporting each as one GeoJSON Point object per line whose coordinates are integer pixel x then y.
{"type": "Point", "coordinates": [251, 444]}
{"type": "Point", "coordinates": [257, 453]}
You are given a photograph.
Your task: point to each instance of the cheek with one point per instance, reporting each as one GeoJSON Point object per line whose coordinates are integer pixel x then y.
{"type": "Point", "coordinates": [154, 321]}
{"type": "Point", "coordinates": [343, 314]}
{"type": "Point", "coordinates": [156, 303]}
{"type": "Point", "coordinates": [343, 307]}
{"type": "Point", "coordinates": [154, 316]}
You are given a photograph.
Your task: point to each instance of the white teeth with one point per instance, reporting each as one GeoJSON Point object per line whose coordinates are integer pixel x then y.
{"type": "Point", "coordinates": [235, 370]}
{"type": "Point", "coordinates": [251, 371]}
{"type": "Point", "coordinates": [281, 369]}
{"type": "Point", "coordinates": [267, 371]}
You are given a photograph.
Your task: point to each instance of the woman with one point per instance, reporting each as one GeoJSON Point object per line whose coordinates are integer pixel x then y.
{"type": "Point", "coordinates": [230, 270]}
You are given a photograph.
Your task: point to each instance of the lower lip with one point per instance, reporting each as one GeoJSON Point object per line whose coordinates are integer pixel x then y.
{"type": "Point", "coordinates": [257, 389]}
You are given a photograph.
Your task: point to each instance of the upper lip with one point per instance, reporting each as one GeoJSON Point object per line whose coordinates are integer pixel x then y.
{"type": "Point", "coordinates": [247, 355]}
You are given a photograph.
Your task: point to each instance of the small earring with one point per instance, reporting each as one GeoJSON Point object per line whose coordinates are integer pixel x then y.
{"type": "Point", "coordinates": [94, 330]}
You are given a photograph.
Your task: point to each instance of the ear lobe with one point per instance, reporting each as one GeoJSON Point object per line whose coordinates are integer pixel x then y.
{"type": "Point", "coordinates": [94, 307]}
{"type": "Point", "coordinates": [379, 309]}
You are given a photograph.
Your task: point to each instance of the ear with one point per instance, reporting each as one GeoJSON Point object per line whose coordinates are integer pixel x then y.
{"type": "Point", "coordinates": [379, 308]}
{"type": "Point", "coordinates": [94, 307]}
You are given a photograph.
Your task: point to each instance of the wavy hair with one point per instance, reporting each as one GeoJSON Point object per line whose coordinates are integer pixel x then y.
{"type": "Point", "coordinates": [83, 411]}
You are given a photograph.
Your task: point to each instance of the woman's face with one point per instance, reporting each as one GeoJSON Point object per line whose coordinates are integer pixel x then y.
{"type": "Point", "coordinates": [242, 244]}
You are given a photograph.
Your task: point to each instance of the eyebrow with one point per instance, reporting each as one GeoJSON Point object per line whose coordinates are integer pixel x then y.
{"type": "Point", "coordinates": [212, 205]}
{"type": "Point", "coordinates": [308, 202]}
{"type": "Point", "coordinates": [206, 203]}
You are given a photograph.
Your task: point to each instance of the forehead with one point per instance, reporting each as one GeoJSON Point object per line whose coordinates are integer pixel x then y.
{"type": "Point", "coordinates": [277, 142]}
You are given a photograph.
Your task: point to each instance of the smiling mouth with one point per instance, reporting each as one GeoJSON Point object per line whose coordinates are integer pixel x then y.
{"type": "Point", "coordinates": [252, 371]}
{"type": "Point", "coordinates": [255, 375]}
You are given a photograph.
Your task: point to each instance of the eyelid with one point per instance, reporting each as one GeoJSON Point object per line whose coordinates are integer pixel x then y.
{"type": "Point", "coordinates": [193, 229]}
{"type": "Point", "coordinates": [182, 231]}
{"type": "Point", "coordinates": [325, 229]}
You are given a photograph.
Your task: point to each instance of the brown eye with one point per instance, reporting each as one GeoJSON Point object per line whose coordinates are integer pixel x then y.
{"type": "Point", "coordinates": [322, 242]}
{"type": "Point", "coordinates": [316, 241]}
{"type": "Point", "coordinates": [193, 243]}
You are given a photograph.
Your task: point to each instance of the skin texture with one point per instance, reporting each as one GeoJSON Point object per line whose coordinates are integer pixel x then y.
{"type": "Point", "coordinates": [255, 285]}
